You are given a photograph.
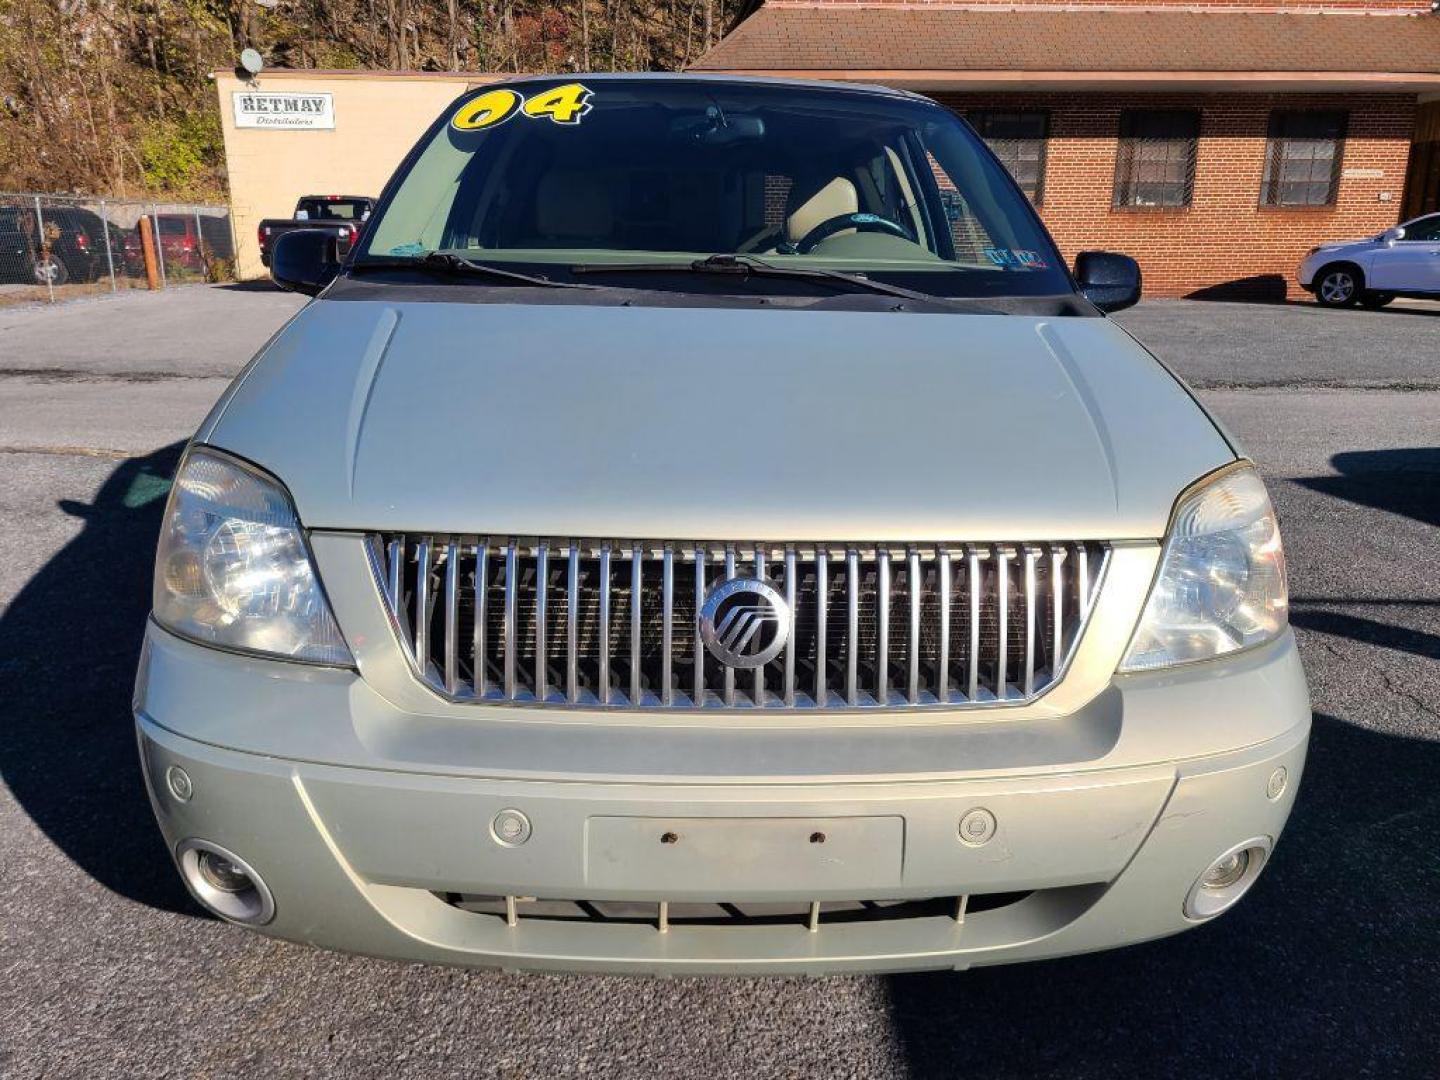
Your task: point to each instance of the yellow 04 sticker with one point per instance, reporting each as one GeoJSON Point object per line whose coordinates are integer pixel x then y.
{"type": "Point", "coordinates": [487, 110]}
{"type": "Point", "coordinates": [561, 105]}
{"type": "Point", "coordinates": [564, 104]}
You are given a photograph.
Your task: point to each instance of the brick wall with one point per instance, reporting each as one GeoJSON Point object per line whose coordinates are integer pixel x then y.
{"type": "Point", "coordinates": [1224, 238]}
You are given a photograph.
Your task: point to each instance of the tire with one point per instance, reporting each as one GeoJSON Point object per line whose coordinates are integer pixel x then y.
{"type": "Point", "coordinates": [1339, 285]}
{"type": "Point", "coordinates": [1374, 301]}
{"type": "Point", "coordinates": [50, 269]}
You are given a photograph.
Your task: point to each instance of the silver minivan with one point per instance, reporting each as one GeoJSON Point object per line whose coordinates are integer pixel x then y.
{"type": "Point", "coordinates": [704, 527]}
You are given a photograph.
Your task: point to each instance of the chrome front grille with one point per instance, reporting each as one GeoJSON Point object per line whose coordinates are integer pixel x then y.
{"type": "Point", "coordinates": [615, 624]}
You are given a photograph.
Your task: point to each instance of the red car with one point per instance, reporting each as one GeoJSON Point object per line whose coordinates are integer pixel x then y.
{"type": "Point", "coordinates": [188, 242]}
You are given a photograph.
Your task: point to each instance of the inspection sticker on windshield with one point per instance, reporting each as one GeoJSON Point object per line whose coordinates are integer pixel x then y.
{"type": "Point", "coordinates": [1016, 258]}
{"type": "Point", "coordinates": [560, 105]}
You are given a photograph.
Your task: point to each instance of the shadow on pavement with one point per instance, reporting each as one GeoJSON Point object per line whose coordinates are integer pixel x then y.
{"type": "Point", "coordinates": [1257, 289]}
{"type": "Point", "coordinates": [70, 642]}
{"type": "Point", "coordinates": [1368, 631]}
{"type": "Point", "coordinates": [253, 285]}
{"type": "Point", "coordinates": [1402, 481]}
{"type": "Point", "coordinates": [1326, 969]}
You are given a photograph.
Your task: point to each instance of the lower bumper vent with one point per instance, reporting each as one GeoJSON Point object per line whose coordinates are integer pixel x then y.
{"type": "Point", "coordinates": [663, 914]}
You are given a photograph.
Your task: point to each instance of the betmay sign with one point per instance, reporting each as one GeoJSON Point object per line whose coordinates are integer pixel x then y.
{"type": "Point", "coordinates": [283, 111]}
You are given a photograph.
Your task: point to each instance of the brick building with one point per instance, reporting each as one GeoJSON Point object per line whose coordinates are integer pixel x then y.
{"type": "Point", "coordinates": [1214, 140]}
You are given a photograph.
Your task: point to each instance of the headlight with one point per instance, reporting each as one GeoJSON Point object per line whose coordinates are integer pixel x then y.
{"type": "Point", "coordinates": [233, 570]}
{"type": "Point", "coordinates": [1221, 585]}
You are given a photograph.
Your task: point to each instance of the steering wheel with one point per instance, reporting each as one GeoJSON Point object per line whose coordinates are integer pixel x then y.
{"type": "Point", "coordinates": [859, 222]}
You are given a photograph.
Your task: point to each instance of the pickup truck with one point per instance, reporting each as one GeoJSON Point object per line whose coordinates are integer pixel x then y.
{"type": "Point", "coordinates": [346, 214]}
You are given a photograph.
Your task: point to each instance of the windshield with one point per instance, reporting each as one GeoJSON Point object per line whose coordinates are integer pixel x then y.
{"type": "Point", "coordinates": [619, 172]}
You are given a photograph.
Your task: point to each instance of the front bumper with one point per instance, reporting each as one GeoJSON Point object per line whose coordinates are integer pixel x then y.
{"type": "Point", "coordinates": [362, 855]}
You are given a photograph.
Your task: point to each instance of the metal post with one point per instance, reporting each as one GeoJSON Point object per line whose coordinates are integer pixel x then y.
{"type": "Point", "coordinates": [200, 245]}
{"type": "Point", "coordinates": [234, 242]}
{"type": "Point", "coordinates": [40, 240]}
{"type": "Point", "coordinates": [159, 247]}
{"type": "Point", "coordinates": [109, 256]}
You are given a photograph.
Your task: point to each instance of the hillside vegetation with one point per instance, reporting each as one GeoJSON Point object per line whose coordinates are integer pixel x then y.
{"type": "Point", "coordinates": [115, 96]}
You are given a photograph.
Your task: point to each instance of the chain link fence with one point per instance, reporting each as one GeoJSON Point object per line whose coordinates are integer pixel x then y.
{"type": "Point", "coordinates": [58, 247]}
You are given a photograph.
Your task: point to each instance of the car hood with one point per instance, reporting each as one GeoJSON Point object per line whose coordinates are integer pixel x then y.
{"type": "Point", "coordinates": [702, 423]}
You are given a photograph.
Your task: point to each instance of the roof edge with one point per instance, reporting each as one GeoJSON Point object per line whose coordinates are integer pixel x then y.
{"type": "Point", "coordinates": [1252, 81]}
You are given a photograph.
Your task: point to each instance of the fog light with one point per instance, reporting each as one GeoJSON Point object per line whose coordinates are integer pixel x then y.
{"type": "Point", "coordinates": [1227, 879]}
{"type": "Point", "coordinates": [223, 874]}
{"type": "Point", "coordinates": [225, 883]}
{"type": "Point", "coordinates": [1227, 871]}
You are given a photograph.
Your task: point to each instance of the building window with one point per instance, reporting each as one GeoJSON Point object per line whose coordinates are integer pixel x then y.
{"type": "Point", "coordinates": [1302, 158]}
{"type": "Point", "coordinates": [1155, 165]}
{"type": "Point", "coordinates": [1018, 140]}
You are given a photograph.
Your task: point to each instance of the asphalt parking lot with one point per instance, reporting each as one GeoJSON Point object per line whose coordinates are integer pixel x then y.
{"type": "Point", "coordinates": [1330, 968]}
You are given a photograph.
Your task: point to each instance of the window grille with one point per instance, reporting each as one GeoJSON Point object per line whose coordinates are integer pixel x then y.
{"type": "Point", "coordinates": [1155, 163]}
{"type": "Point", "coordinates": [1302, 158]}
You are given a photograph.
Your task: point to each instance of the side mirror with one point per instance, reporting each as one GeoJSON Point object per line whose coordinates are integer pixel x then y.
{"type": "Point", "coordinates": [305, 261]}
{"type": "Point", "coordinates": [1108, 280]}
{"type": "Point", "coordinates": [1390, 235]}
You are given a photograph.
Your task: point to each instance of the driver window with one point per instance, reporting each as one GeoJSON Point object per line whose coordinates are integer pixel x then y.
{"type": "Point", "coordinates": [898, 195]}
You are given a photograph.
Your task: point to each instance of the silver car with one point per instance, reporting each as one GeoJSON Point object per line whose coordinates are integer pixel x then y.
{"type": "Point", "coordinates": [705, 528]}
{"type": "Point", "coordinates": [1401, 261]}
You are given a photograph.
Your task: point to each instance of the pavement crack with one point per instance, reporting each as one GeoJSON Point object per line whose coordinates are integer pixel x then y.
{"type": "Point", "coordinates": [80, 375]}
{"type": "Point", "coordinates": [76, 451]}
{"type": "Point", "coordinates": [1420, 703]}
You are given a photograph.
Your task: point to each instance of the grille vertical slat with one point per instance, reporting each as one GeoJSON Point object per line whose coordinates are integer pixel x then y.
{"type": "Point", "coordinates": [972, 560]}
{"type": "Point", "coordinates": [882, 627]}
{"type": "Point", "coordinates": [482, 591]}
{"type": "Point", "coordinates": [604, 629]}
{"type": "Point", "coordinates": [822, 619]}
{"type": "Point", "coordinates": [542, 589]}
{"type": "Point", "coordinates": [667, 659]}
{"type": "Point", "coordinates": [1057, 599]}
{"type": "Point", "coordinates": [636, 611]}
{"type": "Point", "coordinates": [572, 626]}
{"type": "Point", "coordinates": [422, 603]}
{"type": "Point", "coordinates": [758, 695]}
{"type": "Point", "coordinates": [870, 625]}
{"type": "Point", "coordinates": [698, 680]}
{"type": "Point", "coordinates": [1003, 556]}
{"type": "Point", "coordinates": [511, 643]}
{"type": "Point", "coordinates": [452, 618]}
{"type": "Point", "coordinates": [942, 663]}
{"type": "Point", "coordinates": [788, 694]}
{"type": "Point", "coordinates": [852, 633]}
{"type": "Point", "coordinates": [913, 591]}
{"type": "Point", "coordinates": [1031, 556]}
{"type": "Point", "coordinates": [729, 671]}
{"type": "Point", "coordinates": [395, 558]}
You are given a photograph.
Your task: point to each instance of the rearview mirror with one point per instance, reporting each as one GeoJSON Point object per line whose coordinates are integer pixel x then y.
{"type": "Point", "coordinates": [1108, 280]}
{"type": "Point", "coordinates": [305, 261]}
{"type": "Point", "coordinates": [1390, 235]}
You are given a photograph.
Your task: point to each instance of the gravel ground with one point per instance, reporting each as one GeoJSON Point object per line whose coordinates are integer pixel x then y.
{"type": "Point", "coordinates": [108, 970]}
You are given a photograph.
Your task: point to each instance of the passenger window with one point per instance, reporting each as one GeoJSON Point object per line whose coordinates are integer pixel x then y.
{"type": "Point", "coordinates": [1426, 230]}
{"type": "Point", "coordinates": [966, 232]}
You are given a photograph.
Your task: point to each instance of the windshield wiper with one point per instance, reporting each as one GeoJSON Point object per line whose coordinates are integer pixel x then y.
{"type": "Point", "coordinates": [443, 262]}
{"type": "Point", "coordinates": [747, 265]}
